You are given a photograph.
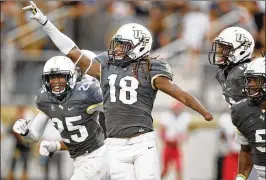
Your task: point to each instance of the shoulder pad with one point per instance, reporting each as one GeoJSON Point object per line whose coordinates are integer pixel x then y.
{"type": "Point", "coordinates": [160, 68]}
{"type": "Point", "coordinates": [239, 111]}
{"type": "Point", "coordinates": [92, 90]}
{"type": "Point", "coordinates": [41, 96]}
{"type": "Point", "coordinates": [102, 58]}
{"type": "Point", "coordinates": [87, 77]}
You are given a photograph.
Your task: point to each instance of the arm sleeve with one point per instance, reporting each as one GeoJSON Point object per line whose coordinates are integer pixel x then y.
{"type": "Point", "coordinates": [37, 127]}
{"type": "Point", "coordinates": [51, 133]}
{"type": "Point", "coordinates": [63, 43]}
{"type": "Point", "coordinates": [160, 68]}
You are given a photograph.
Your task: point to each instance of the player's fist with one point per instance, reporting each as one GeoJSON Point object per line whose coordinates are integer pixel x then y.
{"type": "Point", "coordinates": [208, 117]}
{"type": "Point", "coordinates": [47, 147]}
{"type": "Point", "coordinates": [36, 13]}
{"type": "Point", "coordinates": [21, 127]}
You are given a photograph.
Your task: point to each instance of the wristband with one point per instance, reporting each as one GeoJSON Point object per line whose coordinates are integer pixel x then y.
{"type": "Point", "coordinates": [45, 22]}
{"type": "Point", "coordinates": [240, 177]}
{"type": "Point", "coordinates": [88, 67]}
{"type": "Point", "coordinates": [79, 59]}
{"type": "Point", "coordinates": [26, 133]}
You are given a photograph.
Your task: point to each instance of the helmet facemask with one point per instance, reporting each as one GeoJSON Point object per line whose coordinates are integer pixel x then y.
{"type": "Point", "coordinates": [57, 83]}
{"type": "Point", "coordinates": [221, 53]}
{"type": "Point", "coordinates": [224, 54]}
{"type": "Point", "coordinates": [255, 87]}
{"type": "Point", "coordinates": [121, 51]}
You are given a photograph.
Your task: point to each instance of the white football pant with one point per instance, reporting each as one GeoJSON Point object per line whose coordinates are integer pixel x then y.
{"type": "Point", "coordinates": [91, 166]}
{"type": "Point", "coordinates": [260, 171]}
{"type": "Point", "coordinates": [134, 158]}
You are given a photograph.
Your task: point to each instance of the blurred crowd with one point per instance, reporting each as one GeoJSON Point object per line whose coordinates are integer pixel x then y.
{"type": "Point", "coordinates": [88, 21]}
{"type": "Point", "coordinates": [91, 25]}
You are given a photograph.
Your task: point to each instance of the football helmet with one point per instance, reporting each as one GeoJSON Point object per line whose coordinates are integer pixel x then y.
{"type": "Point", "coordinates": [233, 45]}
{"type": "Point", "coordinates": [131, 42]}
{"type": "Point", "coordinates": [255, 81]}
{"type": "Point", "coordinates": [59, 76]}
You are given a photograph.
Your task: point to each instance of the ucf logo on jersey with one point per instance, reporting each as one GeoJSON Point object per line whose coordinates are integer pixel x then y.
{"type": "Point", "coordinates": [138, 34]}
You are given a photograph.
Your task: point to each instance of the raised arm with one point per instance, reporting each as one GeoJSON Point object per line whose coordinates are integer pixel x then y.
{"type": "Point", "coordinates": [64, 43]}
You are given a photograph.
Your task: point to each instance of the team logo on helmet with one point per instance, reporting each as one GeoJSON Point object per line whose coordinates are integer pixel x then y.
{"type": "Point", "coordinates": [241, 38]}
{"type": "Point", "coordinates": [138, 34]}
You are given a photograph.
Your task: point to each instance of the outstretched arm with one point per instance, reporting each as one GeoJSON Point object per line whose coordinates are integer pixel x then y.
{"type": "Point", "coordinates": [64, 43]}
{"type": "Point", "coordinates": [165, 85]}
{"type": "Point", "coordinates": [32, 130]}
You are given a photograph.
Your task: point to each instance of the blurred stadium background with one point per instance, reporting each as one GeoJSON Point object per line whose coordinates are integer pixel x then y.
{"type": "Point", "coordinates": [182, 34]}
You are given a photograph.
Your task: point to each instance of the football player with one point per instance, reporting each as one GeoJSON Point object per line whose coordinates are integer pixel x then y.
{"type": "Point", "coordinates": [231, 52]}
{"type": "Point", "coordinates": [45, 145]}
{"type": "Point", "coordinates": [248, 116]}
{"type": "Point", "coordinates": [129, 79]}
{"type": "Point", "coordinates": [73, 108]}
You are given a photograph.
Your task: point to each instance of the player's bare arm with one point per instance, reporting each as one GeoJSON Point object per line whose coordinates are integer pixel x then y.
{"type": "Point", "coordinates": [244, 161]}
{"type": "Point", "coordinates": [64, 43]}
{"type": "Point", "coordinates": [88, 65]}
{"type": "Point", "coordinates": [168, 87]}
{"type": "Point", "coordinates": [63, 146]}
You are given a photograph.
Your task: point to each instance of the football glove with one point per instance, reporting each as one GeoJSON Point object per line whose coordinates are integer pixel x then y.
{"type": "Point", "coordinates": [47, 147]}
{"type": "Point", "coordinates": [36, 13]}
{"type": "Point", "coordinates": [21, 127]}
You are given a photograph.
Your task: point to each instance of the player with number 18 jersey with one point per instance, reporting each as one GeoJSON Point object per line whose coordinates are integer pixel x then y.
{"type": "Point", "coordinates": [128, 100]}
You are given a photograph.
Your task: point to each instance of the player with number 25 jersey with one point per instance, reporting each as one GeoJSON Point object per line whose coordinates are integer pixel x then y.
{"type": "Point", "coordinates": [73, 107]}
{"type": "Point", "coordinates": [76, 119]}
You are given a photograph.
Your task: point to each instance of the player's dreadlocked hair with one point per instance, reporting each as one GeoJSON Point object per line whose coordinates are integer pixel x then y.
{"type": "Point", "coordinates": [147, 60]}
{"type": "Point", "coordinates": [262, 54]}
